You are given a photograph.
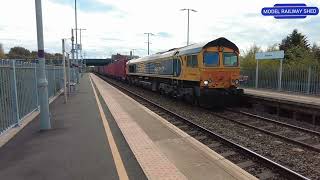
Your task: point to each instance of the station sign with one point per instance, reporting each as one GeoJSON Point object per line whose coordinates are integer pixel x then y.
{"type": "Point", "coordinates": [290, 11]}
{"type": "Point", "coordinates": [269, 55]}
{"type": "Point", "coordinates": [272, 55]}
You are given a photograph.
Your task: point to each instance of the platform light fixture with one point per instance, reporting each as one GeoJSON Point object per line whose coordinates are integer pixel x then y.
{"type": "Point", "coordinates": [81, 55]}
{"type": "Point", "coordinates": [149, 41]}
{"type": "Point", "coordinates": [186, 9]}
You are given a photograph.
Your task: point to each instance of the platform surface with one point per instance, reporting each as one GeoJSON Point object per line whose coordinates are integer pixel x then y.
{"type": "Point", "coordinates": [75, 149]}
{"type": "Point", "coordinates": [165, 148]}
{"type": "Point", "coordinates": [301, 99]}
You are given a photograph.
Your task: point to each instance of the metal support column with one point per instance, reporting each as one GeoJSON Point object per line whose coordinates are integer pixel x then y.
{"type": "Point", "coordinates": [42, 83]}
{"type": "Point", "coordinates": [54, 80]}
{"type": "Point", "coordinates": [76, 45]}
{"type": "Point", "coordinates": [148, 34]}
{"type": "Point", "coordinates": [309, 80]}
{"type": "Point", "coordinates": [69, 73]}
{"type": "Point", "coordinates": [188, 27]}
{"type": "Point", "coordinates": [14, 92]}
{"type": "Point", "coordinates": [64, 72]}
{"type": "Point", "coordinates": [257, 73]}
{"type": "Point", "coordinates": [72, 50]}
{"type": "Point", "coordinates": [36, 88]}
{"type": "Point", "coordinates": [280, 75]}
{"type": "Point", "coordinates": [148, 44]}
{"type": "Point", "coordinates": [80, 67]}
{"type": "Point", "coordinates": [81, 55]}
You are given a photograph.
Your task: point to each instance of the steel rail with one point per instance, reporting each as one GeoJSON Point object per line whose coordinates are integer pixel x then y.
{"type": "Point", "coordinates": [276, 122]}
{"type": "Point", "coordinates": [269, 132]}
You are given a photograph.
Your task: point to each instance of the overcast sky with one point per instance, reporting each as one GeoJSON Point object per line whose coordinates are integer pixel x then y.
{"type": "Point", "coordinates": [117, 26]}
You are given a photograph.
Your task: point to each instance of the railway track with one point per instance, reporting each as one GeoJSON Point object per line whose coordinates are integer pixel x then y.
{"type": "Point", "coordinates": [254, 163]}
{"type": "Point", "coordinates": [294, 134]}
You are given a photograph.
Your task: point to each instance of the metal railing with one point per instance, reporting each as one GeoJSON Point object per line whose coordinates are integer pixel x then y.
{"type": "Point", "coordinates": [18, 89]}
{"type": "Point", "coordinates": [300, 79]}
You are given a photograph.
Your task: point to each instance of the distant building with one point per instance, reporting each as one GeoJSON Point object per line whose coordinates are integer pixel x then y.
{"type": "Point", "coordinates": [116, 57]}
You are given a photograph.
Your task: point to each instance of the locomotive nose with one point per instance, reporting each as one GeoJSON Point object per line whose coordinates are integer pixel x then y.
{"type": "Point", "coordinates": [220, 79]}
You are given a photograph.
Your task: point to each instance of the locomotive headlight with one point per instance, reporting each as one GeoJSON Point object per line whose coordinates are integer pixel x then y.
{"type": "Point", "coordinates": [236, 82]}
{"type": "Point", "coordinates": [206, 82]}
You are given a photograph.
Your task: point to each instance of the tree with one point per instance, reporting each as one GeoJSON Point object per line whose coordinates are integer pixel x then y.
{"type": "Point", "coordinates": [274, 47]}
{"type": "Point", "coordinates": [58, 56]}
{"type": "Point", "coordinates": [48, 56]}
{"type": "Point", "coordinates": [294, 39]}
{"type": "Point", "coordinates": [24, 54]}
{"type": "Point", "coordinates": [18, 53]}
{"type": "Point", "coordinates": [297, 56]}
{"type": "Point", "coordinates": [248, 59]}
{"type": "Point", "coordinates": [316, 53]}
{"type": "Point", "coordinates": [33, 55]}
{"type": "Point", "coordinates": [296, 48]}
{"type": "Point", "coordinates": [2, 55]}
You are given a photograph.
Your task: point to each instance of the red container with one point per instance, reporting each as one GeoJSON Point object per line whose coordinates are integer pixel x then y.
{"type": "Point", "coordinates": [100, 70]}
{"type": "Point", "coordinates": [117, 69]}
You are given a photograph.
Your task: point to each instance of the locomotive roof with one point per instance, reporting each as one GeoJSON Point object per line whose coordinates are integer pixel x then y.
{"type": "Point", "coordinates": [161, 55]}
{"type": "Point", "coordinates": [196, 48]}
{"type": "Point", "coordinates": [191, 49]}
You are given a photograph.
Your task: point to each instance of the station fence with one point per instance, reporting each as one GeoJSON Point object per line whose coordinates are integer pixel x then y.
{"type": "Point", "coordinates": [299, 79]}
{"type": "Point", "coordinates": [19, 92]}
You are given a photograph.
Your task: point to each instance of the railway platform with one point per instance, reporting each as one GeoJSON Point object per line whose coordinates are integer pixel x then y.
{"type": "Point", "coordinates": [102, 133]}
{"type": "Point", "coordinates": [296, 99]}
{"type": "Point", "coordinates": [298, 107]}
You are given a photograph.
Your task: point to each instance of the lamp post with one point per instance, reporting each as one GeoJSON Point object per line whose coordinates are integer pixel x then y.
{"type": "Point", "coordinates": [45, 123]}
{"type": "Point", "coordinates": [81, 57]}
{"type": "Point", "coordinates": [64, 71]}
{"type": "Point", "coordinates": [66, 77]}
{"type": "Point", "coordinates": [76, 45]}
{"type": "Point", "coordinates": [73, 47]}
{"type": "Point", "coordinates": [149, 41]}
{"type": "Point", "coordinates": [132, 52]}
{"type": "Point", "coordinates": [76, 26]}
{"type": "Point", "coordinates": [188, 22]}
{"type": "Point", "coordinates": [68, 72]}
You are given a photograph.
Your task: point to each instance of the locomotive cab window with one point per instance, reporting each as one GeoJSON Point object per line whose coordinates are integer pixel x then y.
{"type": "Point", "coordinates": [192, 61]}
{"type": "Point", "coordinates": [230, 59]}
{"type": "Point", "coordinates": [132, 68]}
{"type": "Point", "coordinates": [176, 67]}
{"type": "Point", "coordinates": [211, 58]}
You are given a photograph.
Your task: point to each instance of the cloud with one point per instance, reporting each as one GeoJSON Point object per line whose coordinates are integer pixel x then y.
{"type": "Point", "coordinates": [87, 5]}
{"type": "Point", "coordinates": [111, 39]}
{"type": "Point", "coordinates": [163, 34]}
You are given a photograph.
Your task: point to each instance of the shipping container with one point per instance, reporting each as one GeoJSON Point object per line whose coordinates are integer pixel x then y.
{"type": "Point", "coordinates": [117, 69]}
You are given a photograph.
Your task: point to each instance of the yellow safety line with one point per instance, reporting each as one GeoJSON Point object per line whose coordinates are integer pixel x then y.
{"type": "Point", "coordinates": [122, 173]}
